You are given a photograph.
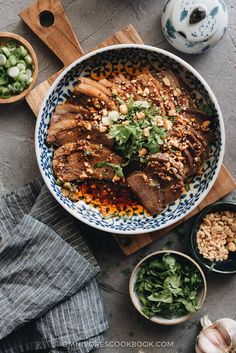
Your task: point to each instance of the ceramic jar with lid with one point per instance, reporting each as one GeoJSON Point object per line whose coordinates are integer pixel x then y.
{"type": "Point", "coordinates": [193, 26]}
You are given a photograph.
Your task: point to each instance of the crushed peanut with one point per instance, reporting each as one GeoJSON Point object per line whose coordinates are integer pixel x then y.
{"type": "Point", "coordinates": [146, 92]}
{"type": "Point", "coordinates": [159, 121]}
{"type": "Point", "coordinates": [104, 112]}
{"type": "Point", "coordinates": [146, 132]}
{"type": "Point", "coordinates": [166, 81]}
{"type": "Point", "coordinates": [102, 128]}
{"type": "Point", "coordinates": [177, 92]}
{"type": "Point", "coordinates": [142, 152]}
{"type": "Point", "coordinates": [167, 124]}
{"type": "Point", "coordinates": [206, 125]}
{"type": "Point", "coordinates": [140, 115]}
{"type": "Point", "coordinates": [123, 109]}
{"type": "Point", "coordinates": [216, 237]}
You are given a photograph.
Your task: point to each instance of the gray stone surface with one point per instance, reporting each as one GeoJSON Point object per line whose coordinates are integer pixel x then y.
{"type": "Point", "coordinates": [93, 21]}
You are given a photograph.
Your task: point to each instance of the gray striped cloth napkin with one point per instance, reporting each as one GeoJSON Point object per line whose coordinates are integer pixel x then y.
{"type": "Point", "coordinates": [49, 297]}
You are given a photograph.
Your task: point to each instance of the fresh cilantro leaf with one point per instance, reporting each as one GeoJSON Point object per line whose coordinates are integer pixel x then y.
{"type": "Point", "coordinates": [131, 133]}
{"type": "Point", "coordinates": [167, 287]}
{"type": "Point", "coordinates": [116, 168]}
{"type": "Point", "coordinates": [206, 109]}
{"type": "Point", "coordinates": [164, 297]}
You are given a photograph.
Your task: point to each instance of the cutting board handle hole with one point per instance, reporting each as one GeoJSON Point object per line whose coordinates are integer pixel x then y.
{"type": "Point", "coordinates": [46, 18]}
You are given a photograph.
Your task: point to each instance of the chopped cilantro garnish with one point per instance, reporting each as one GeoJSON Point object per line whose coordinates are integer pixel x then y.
{"type": "Point", "coordinates": [116, 168]}
{"type": "Point", "coordinates": [206, 109]}
{"type": "Point", "coordinates": [167, 287]}
{"type": "Point", "coordinates": [133, 133]}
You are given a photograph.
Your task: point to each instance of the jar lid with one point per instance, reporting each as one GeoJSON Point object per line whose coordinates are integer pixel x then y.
{"type": "Point", "coordinates": [197, 20]}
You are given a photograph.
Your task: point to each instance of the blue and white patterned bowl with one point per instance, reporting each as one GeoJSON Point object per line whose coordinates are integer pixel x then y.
{"type": "Point", "coordinates": [131, 56]}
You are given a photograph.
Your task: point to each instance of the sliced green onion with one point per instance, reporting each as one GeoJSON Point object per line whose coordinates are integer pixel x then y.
{"type": "Point", "coordinates": [16, 86]}
{"type": "Point", "coordinates": [30, 80]}
{"type": "Point", "coordinates": [22, 77]}
{"type": "Point", "coordinates": [12, 45]}
{"type": "Point", "coordinates": [11, 88]}
{"type": "Point", "coordinates": [28, 73]}
{"type": "Point", "coordinates": [3, 59]}
{"type": "Point", "coordinates": [28, 59]}
{"type": "Point", "coordinates": [5, 92]}
{"type": "Point", "coordinates": [7, 64]}
{"type": "Point", "coordinates": [67, 185]}
{"type": "Point", "coordinates": [15, 65]}
{"type": "Point", "coordinates": [22, 87]}
{"type": "Point", "coordinates": [21, 66]}
{"type": "Point", "coordinates": [6, 51]}
{"type": "Point", "coordinates": [13, 71]}
{"type": "Point", "coordinates": [23, 52]}
{"type": "Point", "coordinates": [17, 53]}
{"type": "Point", "coordinates": [3, 78]}
{"type": "Point", "coordinates": [12, 60]}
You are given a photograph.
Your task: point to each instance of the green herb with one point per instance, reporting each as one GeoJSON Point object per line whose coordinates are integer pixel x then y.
{"type": "Point", "coordinates": [58, 182]}
{"type": "Point", "coordinates": [132, 133]}
{"type": "Point", "coordinates": [206, 109]}
{"type": "Point", "coordinates": [15, 69]}
{"type": "Point", "coordinates": [167, 287]}
{"type": "Point", "coordinates": [116, 168]}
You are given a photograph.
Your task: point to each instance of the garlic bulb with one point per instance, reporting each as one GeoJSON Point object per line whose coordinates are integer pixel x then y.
{"type": "Point", "coordinates": [217, 337]}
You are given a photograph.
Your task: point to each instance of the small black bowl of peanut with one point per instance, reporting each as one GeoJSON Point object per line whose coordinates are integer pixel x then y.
{"type": "Point", "coordinates": [213, 238]}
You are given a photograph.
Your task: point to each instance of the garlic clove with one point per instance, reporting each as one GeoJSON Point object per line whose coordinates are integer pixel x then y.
{"type": "Point", "coordinates": [227, 327]}
{"type": "Point", "coordinates": [204, 345]}
{"type": "Point", "coordinates": [216, 337]}
{"type": "Point", "coordinates": [205, 321]}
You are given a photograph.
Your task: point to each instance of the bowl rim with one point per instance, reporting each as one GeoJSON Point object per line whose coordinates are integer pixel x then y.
{"type": "Point", "coordinates": [29, 47]}
{"type": "Point", "coordinates": [158, 320]}
{"type": "Point", "coordinates": [197, 256]}
{"type": "Point", "coordinates": [149, 49]}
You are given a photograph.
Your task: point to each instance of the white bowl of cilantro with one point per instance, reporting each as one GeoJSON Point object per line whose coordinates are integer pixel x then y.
{"type": "Point", "coordinates": [167, 287]}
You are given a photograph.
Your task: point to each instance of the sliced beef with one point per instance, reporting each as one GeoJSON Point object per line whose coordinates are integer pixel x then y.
{"type": "Point", "coordinates": [191, 145]}
{"type": "Point", "coordinates": [123, 88]}
{"type": "Point", "coordinates": [95, 91]}
{"type": "Point", "coordinates": [165, 167]}
{"type": "Point", "coordinates": [67, 116]}
{"type": "Point", "coordinates": [172, 190]}
{"type": "Point", "coordinates": [161, 184]}
{"type": "Point", "coordinates": [80, 160]}
{"type": "Point", "coordinates": [154, 193]}
{"type": "Point", "coordinates": [197, 148]}
{"type": "Point", "coordinates": [148, 191]}
{"type": "Point", "coordinates": [70, 108]}
{"type": "Point", "coordinates": [173, 91]}
{"type": "Point", "coordinates": [197, 114]}
{"type": "Point", "coordinates": [150, 89]}
{"type": "Point", "coordinates": [167, 180]}
{"type": "Point", "coordinates": [71, 129]}
{"type": "Point", "coordinates": [95, 84]}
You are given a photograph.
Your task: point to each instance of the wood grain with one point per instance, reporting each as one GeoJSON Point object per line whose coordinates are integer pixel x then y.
{"type": "Point", "coordinates": [59, 37]}
{"type": "Point", "coordinates": [129, 244]}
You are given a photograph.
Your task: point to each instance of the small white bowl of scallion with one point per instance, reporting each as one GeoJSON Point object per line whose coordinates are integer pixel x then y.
{"type": "Point", "coordinates": [18, 67]}
{"type": "Point", "coordinates": [167, 287]}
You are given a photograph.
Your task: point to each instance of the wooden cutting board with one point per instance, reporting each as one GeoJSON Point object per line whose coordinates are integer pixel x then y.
{"type": "Point", "coordinates": [67, 48]}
